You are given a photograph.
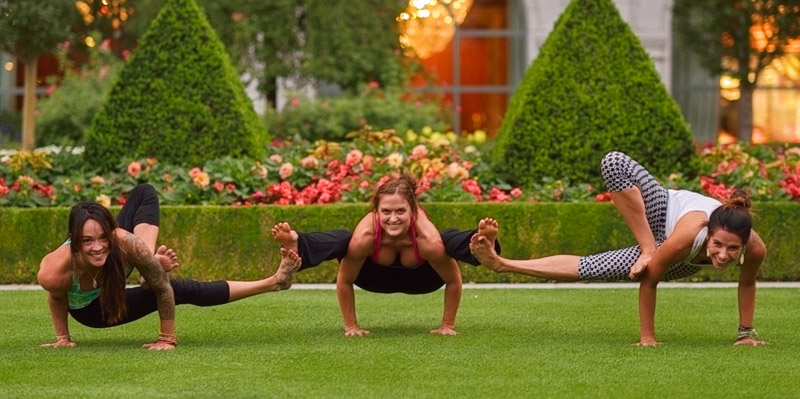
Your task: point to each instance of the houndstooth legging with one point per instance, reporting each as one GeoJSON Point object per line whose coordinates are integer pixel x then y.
{"type": "Point", "coordinates": [621, 172]}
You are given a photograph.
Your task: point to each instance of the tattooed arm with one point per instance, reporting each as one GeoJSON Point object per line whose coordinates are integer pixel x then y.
{"type": "Point", "coordinates": [142, 258]}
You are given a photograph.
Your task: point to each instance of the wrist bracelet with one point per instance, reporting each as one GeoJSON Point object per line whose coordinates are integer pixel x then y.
{"type": "Point", "coordinates": [167, 338]}
{"type": "Point", "coordinates": [745, 332]}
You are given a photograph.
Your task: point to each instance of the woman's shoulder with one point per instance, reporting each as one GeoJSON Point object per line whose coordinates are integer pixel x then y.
{"type": "Point", "coordinates": [363, 236]}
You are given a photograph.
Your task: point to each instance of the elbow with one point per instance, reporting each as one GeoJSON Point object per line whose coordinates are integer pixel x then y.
{"type": "Point", "coordinates": [49, 281]}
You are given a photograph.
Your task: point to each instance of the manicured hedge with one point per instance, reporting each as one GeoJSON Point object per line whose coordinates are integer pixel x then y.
{"type": "Point", "coordinates": [592, 89]}
{"type": "Point", "coordinates": [235, 243]}
{"type": "Point", "coordinates": [179, 99]}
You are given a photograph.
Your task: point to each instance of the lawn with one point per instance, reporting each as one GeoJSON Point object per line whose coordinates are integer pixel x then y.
{"type": "Point", "coordinates": [564, 343]}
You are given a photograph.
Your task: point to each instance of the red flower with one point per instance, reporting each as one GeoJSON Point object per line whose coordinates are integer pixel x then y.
{"type": "Point", "coordinates": [603, 197]}
{"type": "Point", "coordinates": [498, 195]}
{"type": "Point", "coordinates": [471, 186]}
{"type": "Point", "coordinates": [219, 186]}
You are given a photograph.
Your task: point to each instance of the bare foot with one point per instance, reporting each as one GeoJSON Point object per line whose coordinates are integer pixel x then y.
{"type": "Point", "coordinates": [484, 252]}
{"type": "Point", "coordinates": [489, 228]}
{"type": "Point", "coordinates": [283, 234]}
{"type": "Point", "coordinates": [167, 258]}
{"type": "Point", "coordinates": [290, 262]}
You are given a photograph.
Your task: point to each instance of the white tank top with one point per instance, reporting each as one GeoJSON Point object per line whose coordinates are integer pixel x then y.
{"type": "Point", "coordinates": [682, 202]}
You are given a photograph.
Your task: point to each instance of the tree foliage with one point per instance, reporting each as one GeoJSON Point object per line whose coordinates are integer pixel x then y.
{"type": "Point", "coordinates": [29, 29]}
{"type": "Point", "coordinates": [343, 42]}
{"type": "Point", "coordinates": [738, 38]}
{"type": "Point", "coordinates": [592, 89]}
{"type": "Point", "coordinates": [178, 99]}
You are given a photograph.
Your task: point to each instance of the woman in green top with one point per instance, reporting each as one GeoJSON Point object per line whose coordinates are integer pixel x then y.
{"type": "Point", "coordinates": [86, 278]}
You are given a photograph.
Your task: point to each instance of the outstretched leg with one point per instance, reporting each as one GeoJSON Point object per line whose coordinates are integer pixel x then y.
{"type": "Point", "coordinates": [557, 267]}
{"type": "Point", "coordinates": [281, 280]}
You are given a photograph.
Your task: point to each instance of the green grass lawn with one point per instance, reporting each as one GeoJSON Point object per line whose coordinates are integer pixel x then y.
{"type": "Point", "coordinates": [513, 343]}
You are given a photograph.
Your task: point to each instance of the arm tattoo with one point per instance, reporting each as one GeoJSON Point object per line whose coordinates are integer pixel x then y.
{"type": "Point", "coordinates": [140, 257]}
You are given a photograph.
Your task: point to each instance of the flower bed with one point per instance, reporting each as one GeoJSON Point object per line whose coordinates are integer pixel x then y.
{"type": "Point", "coordinates": [449, 168]}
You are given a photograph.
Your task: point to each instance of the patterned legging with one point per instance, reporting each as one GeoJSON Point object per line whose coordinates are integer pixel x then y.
{"type": "Point", "coordinates": [621, 172]}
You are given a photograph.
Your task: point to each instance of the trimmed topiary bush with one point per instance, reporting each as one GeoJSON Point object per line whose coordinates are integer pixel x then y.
{"type": "Point", "coordinates": [179, 98]}
{"type": "Point", "coordinates": [592, 89]}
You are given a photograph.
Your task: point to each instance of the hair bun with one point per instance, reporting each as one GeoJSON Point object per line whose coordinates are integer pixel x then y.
{"type": "Point", "coordinates": [739, 199]}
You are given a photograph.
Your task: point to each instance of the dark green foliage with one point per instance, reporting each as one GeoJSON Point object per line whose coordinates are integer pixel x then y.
{"type": "Point", "coordinates": [333, 119]}
{"type": "Point", "coordinates": [29, 29]}
{"type": "Point", "coordinates": [179, 98]}
{"type": "Point", "coordinates": [592, 89]}
{"type": "Point", "coordinates": [347, 43]}
{"type": "Point", "coordinates": [68, 112]}
{"type": "Point", "coordinates": [235, 242]}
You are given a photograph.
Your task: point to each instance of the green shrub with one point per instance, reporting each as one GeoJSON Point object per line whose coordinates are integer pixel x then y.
{"type": "Point", "coordinates": [67, 113]}
{"type": "Point", "coordinates": [178, 99]}
{"type": "Point", "coordinates": [592, 89]}
{"type": "Point", "coordinates": [331, 119]}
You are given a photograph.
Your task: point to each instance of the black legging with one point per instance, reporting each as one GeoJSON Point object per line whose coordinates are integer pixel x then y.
{"type": "Point", "coordinates": [317, 247]}
{"type": "Point", "coordinates": [142, 207]}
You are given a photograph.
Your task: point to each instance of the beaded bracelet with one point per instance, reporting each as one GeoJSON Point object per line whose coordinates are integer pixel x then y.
{"type": "Point", "coordinates": [167, 338]}
{"type": "Point", "coordinates": [745, 332]}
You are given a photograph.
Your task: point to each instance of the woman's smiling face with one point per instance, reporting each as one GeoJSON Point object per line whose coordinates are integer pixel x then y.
{"type": "Point", "coordinates": [94, 243]}
{"type": "Point", "coordinates": [395, 215]}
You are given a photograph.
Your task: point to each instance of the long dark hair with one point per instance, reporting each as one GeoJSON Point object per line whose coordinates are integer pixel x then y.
{"type": "Point", "coordinates": [403, 185]}
{"type": "Point", "coordinates": [733, 216]}
{"type": "Point", "coordinates": [112, 281]}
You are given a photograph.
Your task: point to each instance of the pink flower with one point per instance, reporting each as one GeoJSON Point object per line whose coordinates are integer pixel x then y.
{"type": "Point", "coordinates": [309, 162]}
{"type": "Point", "coordinates": [3, 190]}
{"type": "Point", "coordinates": [454, 170]}
{"type": "Point", "coordinates": [353, 157]}
{"type": "Point", "coordinates": [364, 184]}
{"type": "Point", "coordinates": [105, 45]}
{"type": "Point", "coordinates": [218, 186]}
{"type": "Point", "coordinates": [277, 158]}
{"type": "Point", "coordinates": [374, 84]}
{"type": "Point", "coordinates": [419, 152]}
{"type": "Point", "coordinates": [286, 170]}
{"type": "Point", "coordinates": [150, 161]}
{"type": "Point", "coordinates": [258, 195]}
{"type": "Point", "coordinates": [294, 101]}
{"type": "Point", "coordinates": [498, 195]}
{"type": "Point", "coordinates": [193, 172]}
{"type": "Point", "coordinates": [516, 192]}
{"type": "Point", "coordinates": [230, 187]}
{"type": "Point", "coordinates": [423, 185]}
{"type": "Point", "coordinates": [126, 54]}
{"type": "Point", "coordinates": [134, 168]}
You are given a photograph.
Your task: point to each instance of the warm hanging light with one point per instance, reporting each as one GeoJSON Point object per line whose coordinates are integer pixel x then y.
{"type": "Point", "coordinates": [427, 26]}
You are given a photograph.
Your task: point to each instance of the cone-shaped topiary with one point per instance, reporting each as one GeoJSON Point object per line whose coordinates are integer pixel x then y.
{"type": "Point", "coordinates": [592, 89]}
{"type": "Point", "coordinates": [178, 99]}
